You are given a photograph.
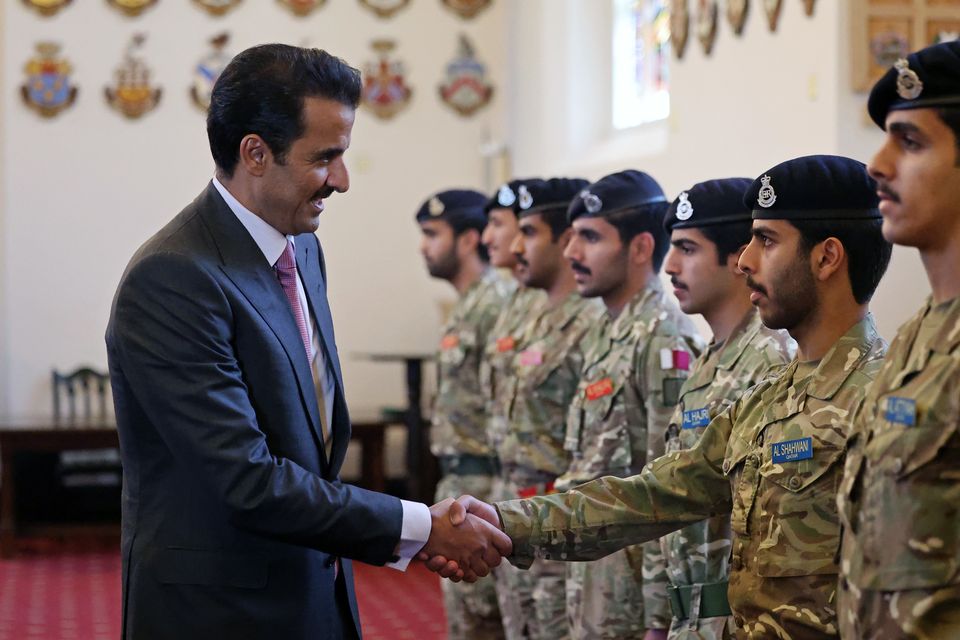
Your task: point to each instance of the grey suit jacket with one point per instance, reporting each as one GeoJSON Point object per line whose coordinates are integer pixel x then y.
{"type": "Point", "coordinates": [232, 515]}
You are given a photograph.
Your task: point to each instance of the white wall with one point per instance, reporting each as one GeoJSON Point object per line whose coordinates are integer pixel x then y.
{"type": "Point", "coordinates": [82, 191]}
{"type": "Point", "coordinates": [757, 100]}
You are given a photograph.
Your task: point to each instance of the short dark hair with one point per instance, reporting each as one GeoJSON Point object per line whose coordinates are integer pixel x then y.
{"type": "Point", "coordinates": [727, 237]}
{"type": "Point", "coordinates": [555, 218]}
{"type": "Point", "coordinates": [262, 91]}
{"type": "Point", "coordinates": [868, 253]}
{"type": "Point", "coordinates": [644, 219]}
{"type": "Point", "coordinates": [951, 118]}
{"type": "Point", "coordinates": [461, 225]}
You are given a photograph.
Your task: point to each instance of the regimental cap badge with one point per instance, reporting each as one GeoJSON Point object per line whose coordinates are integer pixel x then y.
{"type": "Point", "coordinates": [526, 200]}
{"type": "Point", "coordinates": [506, 197]}
{"type": "Point", "coordinates": [435, 206]}
{"type": "Point", "coordinates": [684, 208]}
{"type": "Point", "coordinates": [909, 86]}
{"type": "Point", "coordinates": [767, 195]}
{"type": "Point", "coordinates": [591, 201]}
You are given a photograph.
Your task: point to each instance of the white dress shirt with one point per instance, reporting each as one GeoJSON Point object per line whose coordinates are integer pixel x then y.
{"type": "Point", "coordinates": [416, 516]}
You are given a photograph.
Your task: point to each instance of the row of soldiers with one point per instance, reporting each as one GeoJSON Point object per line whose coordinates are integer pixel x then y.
{"type": "Point", "coordinates": [576, 395]}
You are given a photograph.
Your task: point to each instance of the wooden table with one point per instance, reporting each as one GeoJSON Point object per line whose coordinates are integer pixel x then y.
{"type": "Point", "coordinates": [25, 434]}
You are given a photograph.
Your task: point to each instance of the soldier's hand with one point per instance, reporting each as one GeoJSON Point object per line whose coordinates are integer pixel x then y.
{"type": "Point", "coordinates": [462, 546]}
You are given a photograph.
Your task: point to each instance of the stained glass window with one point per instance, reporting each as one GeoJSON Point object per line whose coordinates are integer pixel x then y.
{"type": "Point", "coordinates": [641, 62]}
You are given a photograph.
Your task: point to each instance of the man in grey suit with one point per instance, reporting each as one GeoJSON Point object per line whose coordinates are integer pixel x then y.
{"type": "Point", "coordinates": [229, 398]}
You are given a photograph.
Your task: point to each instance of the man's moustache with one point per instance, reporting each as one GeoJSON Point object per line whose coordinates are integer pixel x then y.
{"type": "Point", "coordinates": [579, 268]}
{"type": "Point", "coordinates": [756, 287]}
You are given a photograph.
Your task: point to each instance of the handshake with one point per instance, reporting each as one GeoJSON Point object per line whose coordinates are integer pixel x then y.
{"type": "Point", "coordinates": [466, 539]}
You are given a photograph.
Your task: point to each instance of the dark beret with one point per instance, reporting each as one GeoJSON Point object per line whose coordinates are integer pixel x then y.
{"type": "Point", "coordinates": [814, 188]}
{"type": "Point", "coordinates": [555, 193]}
{"type": "Point", "coordinates": [461, 205]}
{"type": "Point", "coordinates": [927, 78]}
{"type": "Point", "coordinates": [708, 203]}
{"type": "Point", "coordinates": [618, 191]}
{"type": "Point", "coordinates": [509, 194]}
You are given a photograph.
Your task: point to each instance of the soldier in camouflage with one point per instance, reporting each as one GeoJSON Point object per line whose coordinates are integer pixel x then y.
{"type": "Point", "coordinates": [772, 459]}
{"type": "Point", "coordinates": [899, 498]}
{"type": "Point", "coordinates": [633, 368]}
{"type": "Point", "coordinates": [542, 378]}
{"type": "Point", "coordinates": [709, 227]}
{"type": "Point", "coordinates": [451, 223]}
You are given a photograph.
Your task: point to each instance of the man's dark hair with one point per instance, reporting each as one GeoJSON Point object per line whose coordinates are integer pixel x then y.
{"type": "Point", "coordinates": [556, 219]}
{"type": "Point", "coordinates": [951, 118]}
{"type": "Point", "coordinates": [645, 219]}
{"type": "Point", "coordinates": [262, 91]}
{"type": "Point", "coordinates": [461, 225]}
{"type": "Point", "coordinates": [868, 254]}
{"type": "Point", "coordinates": [728, 237]}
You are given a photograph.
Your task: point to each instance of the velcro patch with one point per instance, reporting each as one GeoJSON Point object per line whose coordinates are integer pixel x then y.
{"type": "Point", "coordinates": [696, 418]}
{"type": "Point", "coordinates": [506, 344]}
{"type": "Point", "coordinates": [671, 390]}
{"type": "Point", "coordinates": [901, 411]}
{"type": "Point", "coordinates": [449, 341]}
{"type": "Point", "coordinates": [599, 389]}
{"type": "Point", "coordinates": [531, 357]}
{"type": "Point", "coordinates": [674, 359]}
{"type": "Point", "coordinates": [792, 450]}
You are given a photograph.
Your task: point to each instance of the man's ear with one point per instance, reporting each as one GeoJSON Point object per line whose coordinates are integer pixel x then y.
{"type": "Point", "coordinates": [254, 154]}
{"type": "Point", "coordinates": [641, 248]}
{"type": "Point", "coordinates": [827, 258]}
{"type": "Point", "coordinates": [733, 261]}
{"type": "Point", "coordinates": [467, 242]}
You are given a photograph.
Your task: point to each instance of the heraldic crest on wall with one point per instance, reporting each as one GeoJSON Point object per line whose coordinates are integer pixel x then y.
{"type": "Point", "coordinates": [132, 8]}
{"type": "Point", "coordinates": [217, 7]}
{"type": "Point", "coordinates": [465, 89]}
{"type": "Point", "coordinates": [707, 24]}
{"type": "Point", "coordinates": [47, 7]}
{"type": "Point", "coordinates": [772, 9]}
{"type": "Point", "coordinates": [384, 8]}
{"type": "Point", "coordinates": [679, 26]}
{"type": "Point", "coordinates": [385, 91]}
{"type": "Point", "coordinates": [467, 8]}
{"type": "Point", "coordinates": [48, 89]}
{"type": "Point", "coordinates": [208, 69]}
{"type": "Point", "coordinates": [737, 11]}
{"type": "Point", "coordinates": [132, 95]}
{"type": "Point", "coordinates": [302, 7]}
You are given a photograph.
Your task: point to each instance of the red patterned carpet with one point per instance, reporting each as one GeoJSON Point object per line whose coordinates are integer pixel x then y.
{"type": "Point", "coordinates": [49, 593]}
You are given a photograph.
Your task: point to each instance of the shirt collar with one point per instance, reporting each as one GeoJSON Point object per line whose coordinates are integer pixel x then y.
{"type": "Point", "coordinates": [271, 242]}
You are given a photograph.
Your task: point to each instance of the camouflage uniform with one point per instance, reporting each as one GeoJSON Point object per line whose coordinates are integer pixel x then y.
{"type": "Point", "coordinates": [514, 595]}
{"type": "Point", "coordinates": [698, 555]}
{"type": "Point", "coordinates": [545, 373]}
{"type": "Point", "coordinates": [900, 499]}
{"type": "Point", "coordinates": [458, 437]}
{"type": "Point", "coordinates": [783, 572]}
{"type": "Point", "coordinates": [632, 374]}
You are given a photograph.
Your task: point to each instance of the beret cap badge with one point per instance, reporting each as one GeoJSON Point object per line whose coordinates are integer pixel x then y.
{"type": "Point", "coordinates": [684, 208]}
{"type": "Point", "coordinates": [767, 195]}
{"type": "Point", "coordinates": [909, 86]}
{"type": "Point", "coordinates": [435, 206]}
{"type": "Point", "coordinates": [526, 200]}
{"type": "Point", "coordinates": [591, 201]}
{"type": "Point", "coordinates": [506, 197]}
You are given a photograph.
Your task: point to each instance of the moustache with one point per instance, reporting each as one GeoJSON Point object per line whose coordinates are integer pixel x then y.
{"type": "Point", "coordinates": [521, 260]}
{"type": "Point", "coordinates": [677, 284]}
{"type": "Point", "coordinates": [579, 268]}
{"type": "Point", "coordinates": [756, 287]}
{"type": "Point", "coordinates": [885, 189]}
{"type": "Point", "coordinates": [322, 194]}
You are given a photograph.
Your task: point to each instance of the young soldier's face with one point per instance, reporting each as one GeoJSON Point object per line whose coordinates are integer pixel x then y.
{"type": "Point", "coordinates": [500, 231]}
{"type": "Point", "coordinates": [539, 256]}
{"type": "Point", "coordinates": [700, 282]}
{"type": "Point", "coordinates": [439, 250]}
{"type": "Point", "coordinates": [598, 257]}
{"type": "Point", "coordinates": [779, 275]}
{"type": "Point", "coordinates": [918, 180]}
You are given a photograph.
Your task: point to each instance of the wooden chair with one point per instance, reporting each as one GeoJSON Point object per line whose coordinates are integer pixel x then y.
{"type": "Point", "coordinates": [85, 382]}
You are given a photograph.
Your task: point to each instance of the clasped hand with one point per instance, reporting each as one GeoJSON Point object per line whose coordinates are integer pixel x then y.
{"type": "Point", "coordinates": [466, 540]}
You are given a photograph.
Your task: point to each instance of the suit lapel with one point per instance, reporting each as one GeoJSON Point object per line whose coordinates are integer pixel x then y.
{"type": "Point", "coordinates": [244, 264]}
{"type": "Point", "coordinates": [308, 263]}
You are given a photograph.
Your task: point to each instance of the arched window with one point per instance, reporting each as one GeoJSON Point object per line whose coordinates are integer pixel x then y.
{"type": "Point", "coordinates": [641, 62]}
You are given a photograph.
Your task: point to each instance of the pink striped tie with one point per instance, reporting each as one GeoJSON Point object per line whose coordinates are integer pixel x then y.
{"type": "Point", "coordinates": [286, 269]}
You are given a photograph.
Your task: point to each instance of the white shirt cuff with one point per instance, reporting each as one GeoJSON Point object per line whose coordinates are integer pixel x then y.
{"type": "Point", "coordinates": [413, 534]}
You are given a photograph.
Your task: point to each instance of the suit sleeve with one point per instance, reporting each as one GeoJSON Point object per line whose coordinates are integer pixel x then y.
{"type": "Point", "coordinates": [607, 514]}
{"type": "Point", "coordinates": [172, 338]}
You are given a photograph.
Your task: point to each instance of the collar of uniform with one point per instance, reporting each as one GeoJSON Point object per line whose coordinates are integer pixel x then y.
{"type": "Point", "coordinates": [948, 337]}
{"type": "Point", "coordinates": [743, 335]}
{"type": "Point", "coordinates": [271, 242]}
{"type": "Point", "coordinates": [625, 322]}
{"type": "Point", "coordinates": [843, 358]}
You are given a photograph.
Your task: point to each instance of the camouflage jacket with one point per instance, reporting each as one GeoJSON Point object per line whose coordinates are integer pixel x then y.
{"type": "Point", "coordinates": [699, 553]}
{"type": "Point", "coordinates": [459, 411]}
{"type": "Point", "coordinates": [545, 375]}
{"type": "Point", "coordinates": [900, 499]}
{"type": "Point", "coordinates": [502, 345]}
{"type": "Point", "coordinates": [633, 370]}
{"type": "Point", "coordinates": [773, 460]}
